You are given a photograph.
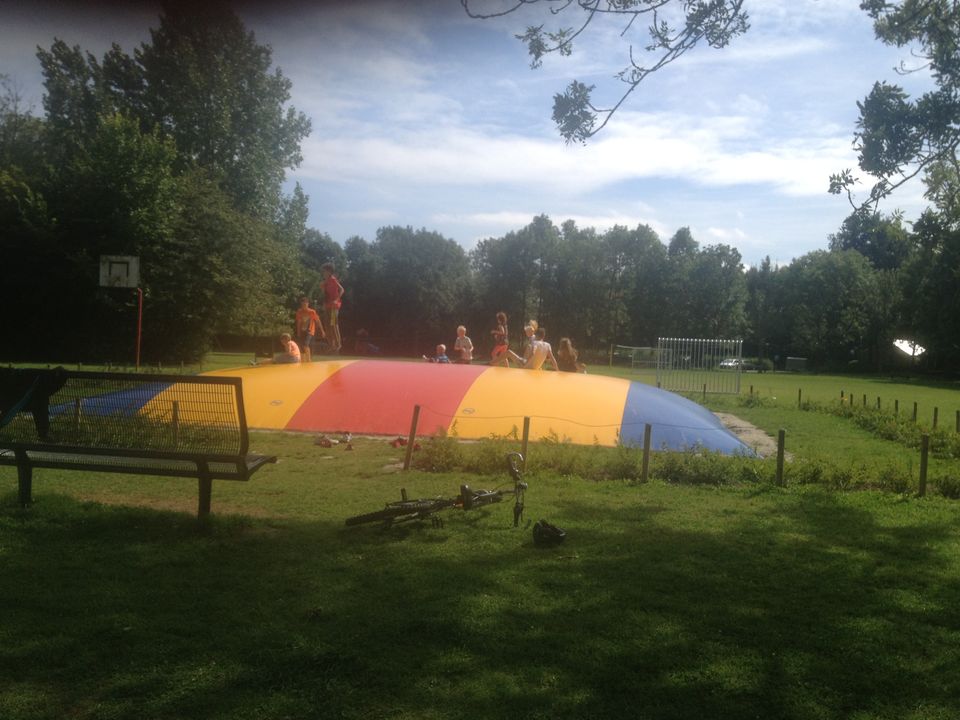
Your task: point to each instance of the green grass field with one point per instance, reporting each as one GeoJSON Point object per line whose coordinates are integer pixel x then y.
{"type": "Point", "coordinates": [668, 600]}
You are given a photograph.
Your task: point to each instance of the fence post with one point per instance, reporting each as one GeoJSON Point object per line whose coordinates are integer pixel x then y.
{"type": "Point", "coordinates": [914, 410]}
{"type": "Point", "coordinates": [645, 469]}
{"type": "Point", "coordinates": [924, 449]}
{"type": "Point", "coordinates": [175, 422]}
{"type": "Point", "coordinates": [936, 414]}
{"type": "Point", "coordinates": [704, 392]}
{"type": "Point", "coordinates": [841, 397]}
{"type": "Point", "coordinates": [77, 415]}
{"type": "Point", "coordinates": [958, 421]}
{"type": "Point", "coordinates": [878, 402]}
{"type": "Point", "coordinates": [864, 399]}
{"type": "Point", "coordinates": [412, 437]}
{"type": "Point", "coordinates": [524, 441]}
{"type": "Point", "coordinates": [896, 408]}
{"type": "Point", "coordinates": [799, 397]}
{"type": "Point", "coordinates": [781, 436]}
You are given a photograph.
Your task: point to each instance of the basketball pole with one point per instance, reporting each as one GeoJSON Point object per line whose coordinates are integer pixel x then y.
{"type": "Point", "coordinates": [139, 323]}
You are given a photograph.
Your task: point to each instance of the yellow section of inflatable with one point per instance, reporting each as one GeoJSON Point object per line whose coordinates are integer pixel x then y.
{"type": "Point", "coordinates": [273, 393]}
{"type": "Point", "coordinates": [582, 408]}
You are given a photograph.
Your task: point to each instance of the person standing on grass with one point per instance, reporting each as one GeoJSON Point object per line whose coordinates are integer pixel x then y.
{"type": "Point", "coordinates": [332, 293]}
{"type": "Point", "coordinates": [308, 325]}
{"type": "Point", "coordinates": [463, 347]}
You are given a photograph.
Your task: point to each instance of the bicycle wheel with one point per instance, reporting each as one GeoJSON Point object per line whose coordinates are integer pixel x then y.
{"type": "Point", "coordinates": [398, 511]}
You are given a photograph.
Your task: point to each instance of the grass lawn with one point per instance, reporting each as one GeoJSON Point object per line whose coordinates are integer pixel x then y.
{"type": "Point", "coordinates": [666, 601]}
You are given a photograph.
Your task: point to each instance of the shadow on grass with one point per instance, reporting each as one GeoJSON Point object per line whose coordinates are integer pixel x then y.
{"type": "Point", "coordinates": [820, 612]}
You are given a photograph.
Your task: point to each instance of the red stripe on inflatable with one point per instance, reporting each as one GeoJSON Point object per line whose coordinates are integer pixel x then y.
{"type": "Point", "coordinates": [377, 397]}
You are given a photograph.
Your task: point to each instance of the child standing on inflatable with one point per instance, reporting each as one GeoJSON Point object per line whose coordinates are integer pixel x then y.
{"type": "Point", "coordinates": [332, 292]}
{"type": "Point", "coordinates": [308, 327]}
{"type": "Point", "coordinates": [463, 347]}
{"type": "Point", "coordinates": [500, 353]}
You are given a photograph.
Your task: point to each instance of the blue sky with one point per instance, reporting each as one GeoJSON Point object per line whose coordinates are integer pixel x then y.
{"type": "Point", "coordinates": [425, 117]}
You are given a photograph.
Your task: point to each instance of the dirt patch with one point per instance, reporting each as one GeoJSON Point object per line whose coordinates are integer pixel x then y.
{"type": "Point", "coordinates": [751, 435]}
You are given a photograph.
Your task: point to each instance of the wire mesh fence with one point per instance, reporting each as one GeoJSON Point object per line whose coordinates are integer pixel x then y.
{"type": "Point", "coordinates": [115, 411]}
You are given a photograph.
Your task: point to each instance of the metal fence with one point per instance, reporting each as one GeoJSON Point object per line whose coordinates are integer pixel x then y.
{"type": "Point", "coordinates": [699, 364]}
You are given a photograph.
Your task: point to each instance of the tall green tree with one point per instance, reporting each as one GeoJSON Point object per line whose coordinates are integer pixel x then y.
{"type": "Point", "coordinates": [829, 296]}
{"type": "Point", "coordinates": [209, 85]}
{"type": "Point", "coordinates": [884, 241]}
{"type": "Point", "coordinates": [411, 293]}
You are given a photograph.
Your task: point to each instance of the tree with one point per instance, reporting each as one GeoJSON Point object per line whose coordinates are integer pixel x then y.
{"type": "Point", "coordinates": [674, 27]}
{"type": "Point", "coordinates": [203, 81]}
{"type": "Point", "coordinates": [763, 307]}
{"type": "Point", "coordinates": [21, 133]}
{"type": "Point", "coordinates": [829, 298]}
{"type": "Point", "coordinates": [208, 84]}
{"type": "Point", "coordinates": [883, 241]}
{"type": "Point", "coordinates": [898, 138]}
{"type": "Point", "coordinates": [410, 293]}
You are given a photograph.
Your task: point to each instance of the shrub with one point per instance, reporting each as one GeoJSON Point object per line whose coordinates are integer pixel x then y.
{"type": "Point", "coordinates": [949, 486]}
{"type": "Point", "coordinates": [441, 453]}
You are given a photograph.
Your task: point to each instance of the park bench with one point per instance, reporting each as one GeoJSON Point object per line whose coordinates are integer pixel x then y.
{"type": "Point", "coordinates": [163, 425]}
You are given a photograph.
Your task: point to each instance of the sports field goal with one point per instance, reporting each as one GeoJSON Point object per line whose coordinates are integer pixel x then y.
{"type": "Point", "coordinates": [636, 358]}
{"type": "Point", "coordinates": [699, 364]}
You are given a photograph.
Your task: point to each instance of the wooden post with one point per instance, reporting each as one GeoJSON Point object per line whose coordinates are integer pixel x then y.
{"type": "Point", "coordinates": [896, 408]}
{"type": "Point", "coordinates": [645, 469]}
{"type": "Point", "coordinates": [704, 392]}
{"type": "Point", "coordinates": [799, 397]}
{"type": "Point", "coordinates": [841, 397]}
{"type": "Point", "coordinates": [864, 399]}
{"type": "Point", "coordinates": [924, 450]}
{"type": "Point", "coordinates": [914, 410]}
{"type": "Point", "coordinates": [751, 392]}
{"type": "Point", "coordinates": [781, 436]}
{"type": "Point", "coordinates": [878, 402]}
{"type": "Point", "coordinates": [525, 441]}
{"type": "Point", "coordinates": [77, 415]}
{"type": "Point", "coordinates": [958, 421]}
{"type": "Point", "coordinates": [206, 490]}
{"type": "Point", "coordinates": [412, 437]}
{"type": "Point", "coordinates": [936, 414]}
{"type": "Point", "coordinates": [24, 478]}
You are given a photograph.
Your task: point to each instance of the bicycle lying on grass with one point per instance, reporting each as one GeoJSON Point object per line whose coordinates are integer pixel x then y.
{"type": "Point", "coordinates": [405, 510]}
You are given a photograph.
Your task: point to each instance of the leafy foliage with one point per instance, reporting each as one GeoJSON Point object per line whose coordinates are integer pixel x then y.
{"type": "Point", "coordinates": [897, 137]}
{"type": "Point", "coordinates": [674, 27]}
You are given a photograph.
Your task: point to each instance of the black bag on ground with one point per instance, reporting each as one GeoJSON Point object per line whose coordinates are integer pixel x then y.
{"type": "Point", "coordinates": [545, 534]}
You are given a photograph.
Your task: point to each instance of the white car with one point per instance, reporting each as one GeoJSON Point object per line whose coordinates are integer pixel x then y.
{"type": "Point", "coordinates": [731, 363]}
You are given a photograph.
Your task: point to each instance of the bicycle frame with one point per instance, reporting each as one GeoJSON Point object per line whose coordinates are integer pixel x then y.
{"type": "Point", "coordinates": [405, 510]}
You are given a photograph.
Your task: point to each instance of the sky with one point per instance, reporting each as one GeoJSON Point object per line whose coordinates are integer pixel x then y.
{"type": "Point", "coordinates": [427, 118]}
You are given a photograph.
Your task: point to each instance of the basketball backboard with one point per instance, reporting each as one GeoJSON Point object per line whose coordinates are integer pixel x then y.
{"type": "Point", "coordinates": [119, 271]}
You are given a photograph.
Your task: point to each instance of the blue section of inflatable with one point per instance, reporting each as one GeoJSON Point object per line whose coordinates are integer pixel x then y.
{"type": "Point", "coordinates": [120, 402]}
{"type": "Point", "coordinates": [677, 423]}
